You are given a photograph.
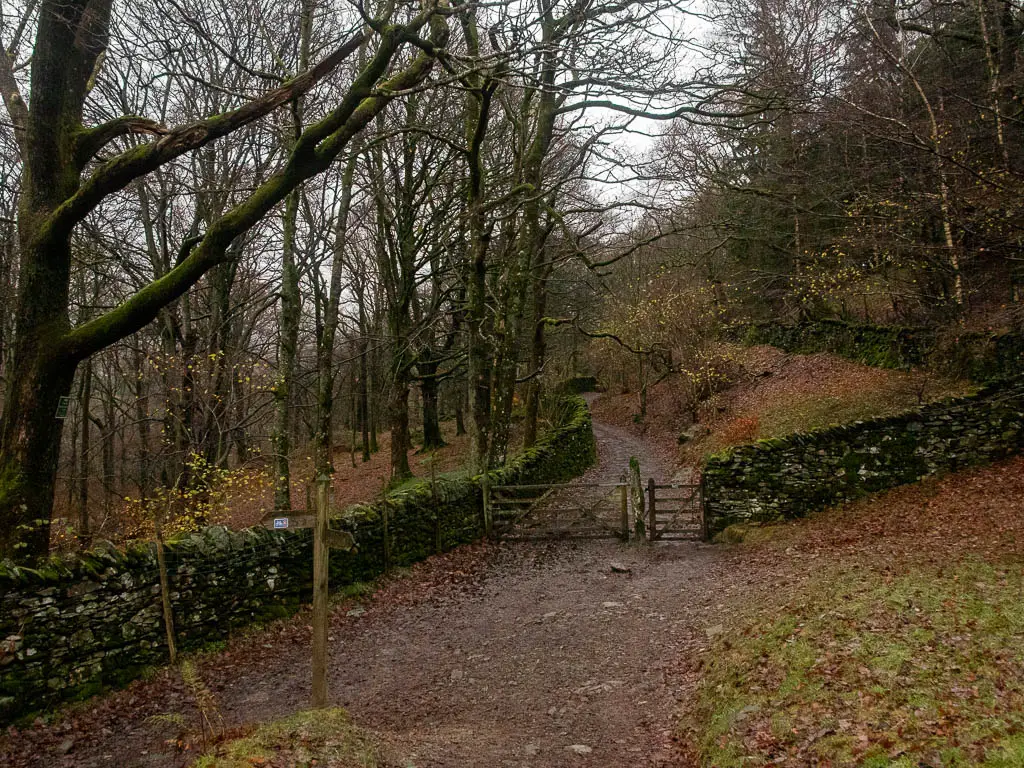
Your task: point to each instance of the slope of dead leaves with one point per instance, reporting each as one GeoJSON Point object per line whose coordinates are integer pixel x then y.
{"type": "Point", "coordinates": [244, 496]}
{"type": "Point", "coordinates": [898, 639]}
{"type": "Point", "coordinates": [774, 393]}
{"type": "Point", "coordinates": [352, 483]}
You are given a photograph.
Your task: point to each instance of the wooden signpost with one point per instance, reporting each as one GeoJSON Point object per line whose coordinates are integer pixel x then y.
{"type": "Point", "coordinates": [652, 526]}
{"type": "Point", "coordinates": [324, 541]}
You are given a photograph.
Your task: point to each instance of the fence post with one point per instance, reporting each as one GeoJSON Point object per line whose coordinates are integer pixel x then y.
{"type": "Point", "coordinates": [485, 487]}
{"type": "Point", "coordinates": [653, 524]}
{"type": "Point", "coordinates": [624, 499]}
{"type": "Point", "coordinates": [165, 587]}
{"type": "Point", "coordinates": [703, 509]}
{"type": "Point", "coordinates": [321, 569]}
{"type": "Point", "coordinates": [636, 490]}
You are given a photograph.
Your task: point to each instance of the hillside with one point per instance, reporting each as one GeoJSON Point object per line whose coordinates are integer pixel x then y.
{"type": "Point", "coordinates": [771, 393]}
{"type": "Point", "coordinates": [892, 636]}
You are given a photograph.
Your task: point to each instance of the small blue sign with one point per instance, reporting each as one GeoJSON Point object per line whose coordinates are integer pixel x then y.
{"type": "Point", "coordinates": [280, 522]}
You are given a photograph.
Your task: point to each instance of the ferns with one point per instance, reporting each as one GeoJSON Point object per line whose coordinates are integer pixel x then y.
{"type": "Point", "coordinates": [210, 719]}
{"type": "Point", "coordinates": [211, 722]}
{"type": "Point", "coordinates": [168, 718]}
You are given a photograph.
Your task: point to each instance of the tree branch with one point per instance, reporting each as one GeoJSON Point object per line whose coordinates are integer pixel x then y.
{"type": "Point", "coordinates": [91, 141]}
{"type": "Point", "coordinates": [12, 100]}
{"type": "Point", "coordinates": [305, 161]}
{"type": "Point", "coordinates": [118, 172]}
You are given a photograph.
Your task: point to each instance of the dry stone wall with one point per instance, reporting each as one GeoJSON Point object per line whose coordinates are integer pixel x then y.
{"type": "Point", "coordinates": [801, 473]}
{"type": "Point", "coordinates": [78, 625]}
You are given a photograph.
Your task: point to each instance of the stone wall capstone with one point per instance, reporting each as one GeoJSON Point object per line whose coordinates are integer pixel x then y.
{"type": "Point", "coordinates": [80, 624]}
{"type": "Point", "coordinates": [804, 472]}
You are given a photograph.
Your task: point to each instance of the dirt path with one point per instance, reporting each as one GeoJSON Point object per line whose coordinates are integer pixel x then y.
{"type": "Point", "coordinates": [532, 654]}
{"type": "Point", "coordinates": [615, 446]}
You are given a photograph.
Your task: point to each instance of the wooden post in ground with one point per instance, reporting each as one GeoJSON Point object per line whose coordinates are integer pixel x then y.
{"type": "Point", "coordinates": [321, 570]}
{"type": "Point", "coordinates": [703, 509]}
{"type": "Point", "coordinates": [636, 491]}
{"type": "Point", "coordinates": [385, 520]}
{"type": "Point", "coordinates": [624, 500]}
{"type": "Point", "coordinates": [165, 587]}
{"type": "Point", "coordinates": [652, 533]}
{"type": "Point", "coordinates": [485, 487]}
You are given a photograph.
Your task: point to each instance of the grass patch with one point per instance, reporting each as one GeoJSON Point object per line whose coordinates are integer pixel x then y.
{"type": "Point", "coordinates": [805, 412]}
{"type": "Point", "coordinates": [313, 737]}
{"type": "Point", "coordinates": [808, 412]}
{"type": "Point", "coordinates": [923, 669]}
{"type": "Point", "coordinates": [357, 589]}
{"type": "Point", "coordinates": [746, 533]}
{"type": "Point", "coordinates": [809, 393]}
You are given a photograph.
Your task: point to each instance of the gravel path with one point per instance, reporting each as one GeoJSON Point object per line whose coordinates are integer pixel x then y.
{"type": "Point", "coordinates": [525, 654]}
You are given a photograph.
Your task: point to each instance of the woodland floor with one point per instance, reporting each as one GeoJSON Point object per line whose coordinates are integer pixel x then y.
{"type": "Point", "coordinates": [250, 492]}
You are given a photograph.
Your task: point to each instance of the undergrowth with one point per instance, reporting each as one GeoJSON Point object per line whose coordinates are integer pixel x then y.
{"type": "Point", "coordinates": [796, 393]}
{"type": "Point", "coordinates": [805, 412]}
{"type": "Point", "coordinates": [325, 737]}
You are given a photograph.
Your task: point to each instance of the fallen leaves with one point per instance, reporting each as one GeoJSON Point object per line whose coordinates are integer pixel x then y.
{"type": "Point", "coordinates": [895, 644]}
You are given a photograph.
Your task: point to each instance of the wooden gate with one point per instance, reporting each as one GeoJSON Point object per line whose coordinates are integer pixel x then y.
{"type": "Point", "coordinates": [563, 510]}
{"type": "Point", "coordinates": [675, 511]}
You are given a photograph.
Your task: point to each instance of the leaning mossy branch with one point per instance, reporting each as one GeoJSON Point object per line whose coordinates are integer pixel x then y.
{"type": "Point", "coordinates": [118, 172]}
{"type": "Point", "coordinates": [313, 153]}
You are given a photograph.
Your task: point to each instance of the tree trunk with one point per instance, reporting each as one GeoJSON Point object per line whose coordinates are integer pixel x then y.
{"type": "Point", "coordinates": [364, 397]}
{"type": "Point", "coordinates": [185, 426]}
{"type": "Point", "coordinates": [216, 430]}
{"type": "Point", "coordinates": [109, 438]}
{"type": "Point", "coordinates": [480, 353]}
{"type": "Point", "coordinates": [290, 316]}
{"type": "Point", "coordinates": [142, 424]}
{"type": "Point", "coordinates": [324, 432]}
{"type": "Point", "coordinates": [460, 404]}
{"type": "Point", "coordinates": [538, 354]}
{"type": "Point", "coordinates": [531, 248]}
{"type": "Point", "coordinates": [506, 370]}
{"type": "Point", "coordinates": [84, 400]}
{"type": "Point", "coordinates": [432, 437]}
{"type": "Point", "coordinates": [365, 417]}
{"type": "Point", "coordinates": [398, 416]}
{"type": "Point", "coordinates": [480, 361]}
{"type": "Point", "coordinates": [69, 36]}
{"type": "Point", "coordinates": [29, 452]}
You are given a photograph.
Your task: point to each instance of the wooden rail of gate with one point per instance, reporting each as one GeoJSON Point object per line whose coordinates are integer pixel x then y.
{"type": "Point", "coordinates": [509, 506]}
{"type": "Point", "coordinates": [675, 511]}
